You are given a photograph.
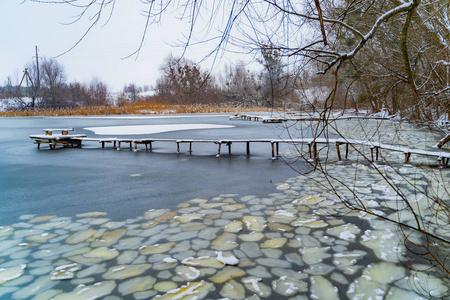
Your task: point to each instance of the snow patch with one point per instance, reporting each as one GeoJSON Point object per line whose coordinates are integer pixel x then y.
{"type": "Point", "coordinates": [229, 260]}
{"type": "Point", "coordinates": [151, 129]}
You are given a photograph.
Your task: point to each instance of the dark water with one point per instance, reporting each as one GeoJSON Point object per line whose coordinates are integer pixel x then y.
{"type": "Point", "coordinates": [123, 183]}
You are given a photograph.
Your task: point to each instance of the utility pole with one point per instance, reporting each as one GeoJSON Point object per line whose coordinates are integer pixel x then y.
{"type": "Point", "coordinates": [35, 87]}
{"type": "Point", "coordinates": [27, 77]}
{"type": "Point", "coordinates": [38, 83]}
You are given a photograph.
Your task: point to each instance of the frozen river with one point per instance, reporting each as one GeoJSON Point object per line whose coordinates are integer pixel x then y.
{"type": "Point", "coordinates": [100, 223]}
{"type": "Point", "coordinates": [123, 183]}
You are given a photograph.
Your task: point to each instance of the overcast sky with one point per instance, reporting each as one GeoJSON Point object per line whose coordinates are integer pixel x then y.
{"type": "Point", "coordinates": [100, 54]}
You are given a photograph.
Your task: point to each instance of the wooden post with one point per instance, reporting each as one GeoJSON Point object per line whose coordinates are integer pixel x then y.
{"type": "Point", "coordinates": [338, 150]}
{"type": "Point", "coordinates": [346, 151]}
{"type": "Point", "coordinates": [371, 152]}
{"type": "Point", "coordinates": [229, 147]}
{"type": "Point", "coordinates": [178, 147]}
{"type": "Point", "coordinates": [377, 149]}
{"type": "Point", "coordinates": [135, 146]}
{"type": "Point", "coordinates": [190, 147]}
{"type": "Point", "coordinates": [278, 149]}
{"type": "Point", "coordinates": [273, 152]}
{"type": "Point", "coordinates": [309, 149]}
{"type": "Point", "coordinates": [218, 151]}
{"type": "Point", "coordinates": [248, 148]}
{"type": "Point", "coordinates": [407, 157]}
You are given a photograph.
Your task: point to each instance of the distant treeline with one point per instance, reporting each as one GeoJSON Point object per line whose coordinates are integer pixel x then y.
{"type": "Point", "coordinates": [181, 82]}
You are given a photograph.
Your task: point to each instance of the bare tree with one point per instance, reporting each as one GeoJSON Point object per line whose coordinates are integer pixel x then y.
{"type": "Point", "coordinates": [242, 86]}
{"type": "Point", "coordinates": [53, 82]}
{"type": "Point", "coordinates": [132, 91]}
{"type": "Point", "coordinates": [95, 93]}
{"type": "Point", "coordinates": [99, 92]}
{"type": "Point", "coordinates": [183, 82]}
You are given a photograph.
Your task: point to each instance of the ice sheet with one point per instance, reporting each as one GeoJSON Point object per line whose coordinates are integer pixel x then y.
{"type": "Point", "coordinates": [151, 129]}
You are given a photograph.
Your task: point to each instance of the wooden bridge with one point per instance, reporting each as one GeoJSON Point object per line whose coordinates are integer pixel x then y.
{"type": "Point", "coordinates": [71, 140]}
{"type": "Point", "coordinates": [301, 118]}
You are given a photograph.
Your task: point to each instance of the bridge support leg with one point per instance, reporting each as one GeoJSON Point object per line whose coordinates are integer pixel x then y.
{"type": "Point", "coordinates": [407, 158]}
{"type": "Point", "coordinates": [248, 148]}
{"type": "Point", "coordinates": [314, 150]}
{"type": "Point", "coordinates": [338, 150]}
{"type": "Point", "coordinates": [218, 151]}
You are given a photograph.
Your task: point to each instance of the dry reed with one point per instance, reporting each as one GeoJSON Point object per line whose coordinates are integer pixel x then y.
{"type": "Point", "coordinates": [137, 108]}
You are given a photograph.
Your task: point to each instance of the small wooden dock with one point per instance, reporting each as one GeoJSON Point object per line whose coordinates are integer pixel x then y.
{"type": "Point", "coordinates": [75, 140]}
{"type": "Point", "coordinates": [63, 138]}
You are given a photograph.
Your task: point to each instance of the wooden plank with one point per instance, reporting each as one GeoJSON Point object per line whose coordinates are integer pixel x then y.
{"type": "Point", "coordinates": [64, 131]}
{"type": "Point", "coordinates": [443, 141]}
